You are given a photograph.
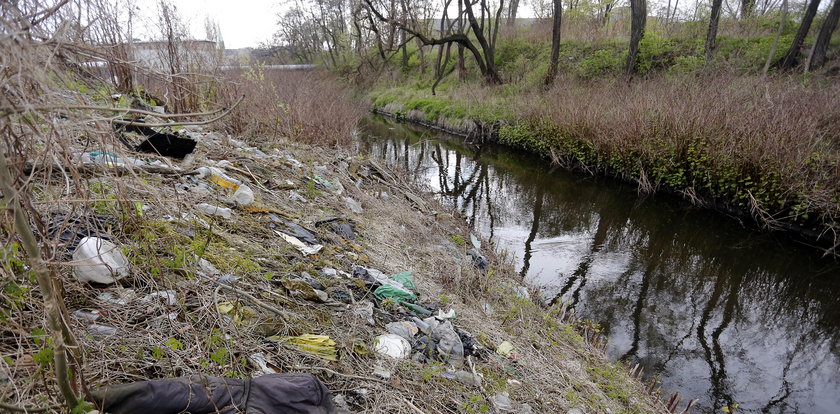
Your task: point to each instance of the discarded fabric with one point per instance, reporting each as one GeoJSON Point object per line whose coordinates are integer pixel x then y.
{"type": "Point", "coordinates": [203, 394]}
{"type": "Point", "coordinates": [98, 260]}
{"type": "Point", "coordinates": [478, 259]}
{"type": "Point", "coordinates": [161, 143]}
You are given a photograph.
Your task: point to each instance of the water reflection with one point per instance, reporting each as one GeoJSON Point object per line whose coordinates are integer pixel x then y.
{"type": "Point", "coordinates": [717, 312]}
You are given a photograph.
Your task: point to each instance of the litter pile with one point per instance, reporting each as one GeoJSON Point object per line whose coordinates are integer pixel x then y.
{"type": "Point", "coordinates": [224, 260]}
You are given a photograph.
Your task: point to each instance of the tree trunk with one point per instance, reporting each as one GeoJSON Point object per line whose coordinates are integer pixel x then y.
{"type": "Point", "coordinates": [512, 11]}
{"type": "Point", "coordinates": [792, 56]}
{"type": "Point", "coordinates": [638, 13]}
{"type": "Point", "coordinates": [747, 8]}
{"type": "Point", "coordinates": [711, 35]}
{"type": "Point", "coordinates": [817, 56]}
{"type": "Point", "coordinates": [490, 73]}
{"type": "Point", "coordinates": [776, 40]}
{"type": "Point", "coordinates": [555, 42]}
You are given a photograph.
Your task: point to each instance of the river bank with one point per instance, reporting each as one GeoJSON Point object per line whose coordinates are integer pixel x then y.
{"type": "Point", "coordinates": [771, 167]}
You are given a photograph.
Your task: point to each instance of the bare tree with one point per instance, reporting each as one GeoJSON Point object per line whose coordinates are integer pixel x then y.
{"type": "Point", "coordinates": [555, 42]}
{"type": "Point", "coordinates": [776, 39]}
{"type": "Point", "coordinates": [711, 34]}
{"type": "Point", "coordinates": [816, 57]}
{"type": "Point", "coordinates": [792, 55]}
{"type": "Point", "coordinates": [638, 18]}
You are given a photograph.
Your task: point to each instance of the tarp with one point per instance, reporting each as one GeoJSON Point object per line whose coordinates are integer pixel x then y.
{"type": "Point", "coordinates": [203, 394]}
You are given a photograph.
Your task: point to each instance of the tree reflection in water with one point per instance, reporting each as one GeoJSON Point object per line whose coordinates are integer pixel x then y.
{"type": "Point", "coordinates": [718, 312]}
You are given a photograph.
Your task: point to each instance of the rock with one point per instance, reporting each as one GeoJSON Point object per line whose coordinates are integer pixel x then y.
{"type": "Point", "coordinates": [98, 260]}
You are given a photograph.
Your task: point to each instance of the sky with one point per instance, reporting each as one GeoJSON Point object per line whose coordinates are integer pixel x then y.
{"type": "Point", "coordinates": [244, 23]}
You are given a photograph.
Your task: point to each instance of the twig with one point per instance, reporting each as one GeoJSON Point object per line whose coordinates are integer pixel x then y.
{"type": "Point", "coordinates": [25, 409]}
{"type": "Point", "coordinates": [165, 124]}
{"type": "Point", "coordinates": [358, 377]}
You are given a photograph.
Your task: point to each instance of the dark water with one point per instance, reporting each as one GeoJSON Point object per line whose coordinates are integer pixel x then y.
{"type": "Point", "coordinates": [719, 312]}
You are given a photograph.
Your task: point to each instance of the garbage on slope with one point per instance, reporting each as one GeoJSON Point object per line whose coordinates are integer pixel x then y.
{"type": "Point", "coordinates": [98, 260]}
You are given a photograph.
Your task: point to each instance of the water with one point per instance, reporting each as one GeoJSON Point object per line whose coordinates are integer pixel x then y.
{"type": "Point", "coordinates": [719, 312]}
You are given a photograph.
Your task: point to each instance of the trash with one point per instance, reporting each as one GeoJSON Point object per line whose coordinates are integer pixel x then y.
{"type": "Point", "coordinates": [211, 210]}
{"type": "Point", "coordinates": [303, 248]}
{"type": "Point", "coordinates": [475, 242]}
{"type": "Point", "coordinates": [463, 376]}
{"type": "Point", "coordinates": [488, 310]}
{"type": "Point", "coordinates": [363, 274]}
{"type": "Point", "coordinates": [102, 330]}
{"type": "Point", "coordinates": [441, 316]}
{"type": "Point", "coordinates": [91, 316]}
{"type": "Point", "coordinates": [449, 344]}
{"type": "Point", "coordinates": [392, 292]}
{"type": "Point", "coordinates": [381, 372]}
{"type": "Point", "coordinates": [417, 308]}
{"type": "Point", "coordinates": [169, 297]}
{"type": "Point", "coordinates": [478, 260]}
{"type": "Point", "coordinates": [98, 260]}
{"type": "Point", "coordinates": [203, 394]}
{"type": "Point", "coordinates": [239, 312]}
{"type": "Point", "coordinates": [502, 401]}
{"type": "Point", "coordinates": [425, 349]}
{"type": "Point", "coordinates": [403, 329]}
{"type": "Point", "coordinates": [319, 345]}
{"type": "Point", "coordinates": [339, 226]}
{"type": "Point", "coordinates": [505, 349]}
{"type": "Point", "coordinates": [304, 290]}
{"type": "Point", "coordinates": [364, 310]}
{"type": "Point", "coordinates": [219, 178]}
{"type": "Point", "coordinates": [392, 345]}
{"type": "Point", "coordinates": [324, 183]}
{"type": "Point", "coordinates": [329, 272]}
{"type": "Point", "coordinates": [405, 279]}
{"type": "Point", "coordinates": [208, 267]}
{"type": "Point", "coordinates": [229, 280]}
{"type": "Point", "coordinates": [122, 298]}
{"type": "Point", "coordinates": [262, 364]}
{"type": "Point", "coordinates": [471, 346]}
{"type": "Point", "coordinates": [243, 195]}
{"type": "Point", "coordinates": [295, 196]}
{"type": "Point", "coordinates": [300, 232]}
{"type": "Point", "coordinates": [353, 205]}
{"type": "Point", "coordinates": [161, 143]}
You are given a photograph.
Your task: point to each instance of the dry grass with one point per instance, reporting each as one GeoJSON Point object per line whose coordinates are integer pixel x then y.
{"type": "Point", "coordinates": [305, 106]}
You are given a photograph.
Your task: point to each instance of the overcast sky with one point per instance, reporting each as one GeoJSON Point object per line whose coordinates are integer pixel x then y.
{"type": "Point", "coordinates": [244, 23]}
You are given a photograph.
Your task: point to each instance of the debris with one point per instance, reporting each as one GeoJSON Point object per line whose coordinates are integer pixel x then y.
{"type": "Point", "coordinates": [212, 210]}
{"type": "Point", "coordinates": [169, 297]}
{"type": "Point", "coordinates": [295, 196]}
{"type": "Point", "coordinates": [91, 316]}
{"type": "Point", "coordinates": [441, 316]}
{"type": "Point", "coordinates": [262, 364]}
{"type": "Point", "coordinates": [102, 330]}
{"type": "Point", "coordinates": [243, 195]}
{"type": "Point", "coordinates": [161, 143]}
{"type": "Point", "coordinates": [339, 226]}
{"type": "Point", "coordinates": [405, 279]}
{"type": "Point", "coordinates": [300, 232]}
{"type": "Point", "coordinates": [239, 312]}
{"type": "Point", "coordinates": [98, 260]}
{"type": "Point", "coordinates": [319, 345]}
{"type": "Point", "coordinates": [403, 329]}
{"type": "Point", "coordinates": [364, 310]}
{"type": "Point", "coordinates": [380, 371]}
{"type": "Point", "coordinates": [229, 280]}
{"type": "Point", "coordinates": [502, 401]}
{"type": "Point", "coordinates": [475, 242]}
{"type": "Point", "coordinates": [303, 248]}
{"type": "Point", "coordinates": [478, 259]}
{"type": "Point", "coordinates": [353, 205]}
{"type": "Point", "coordinates": [203, 394]}
{"type": "Point", "coordinates": [488, 310]}
{"type": "Point", "coordinates": [304, 290]}
{"type": "Point", "coordinates": [392, 345]}
{"type": "Point", "coordinates": [122, 298]}
{"type": "Point", "coordinates": [219, 178]}
{"type": "Point", "coordinates": [329, 272]}
{"type": "Point", "coordinates": [392, 292]}
{"type": "Point", "coordinates": [505, 349]}
{"type": "Point", "coordinates": [449, 344]}
{"type": "Point", "coordinates": [463, 376]}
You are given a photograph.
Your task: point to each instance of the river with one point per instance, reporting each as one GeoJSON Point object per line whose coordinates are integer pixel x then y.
{"type": "Point", "coordinates": [715, 310]}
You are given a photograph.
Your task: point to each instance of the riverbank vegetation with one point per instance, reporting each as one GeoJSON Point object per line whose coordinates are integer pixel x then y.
{"type": "Point", "coordinates": [731, 105]}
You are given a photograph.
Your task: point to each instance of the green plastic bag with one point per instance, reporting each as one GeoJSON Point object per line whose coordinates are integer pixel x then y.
{"type": "Point", "coordinates": [390, 292]}
{"type": "Point", "coordinates": [406, 280]}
